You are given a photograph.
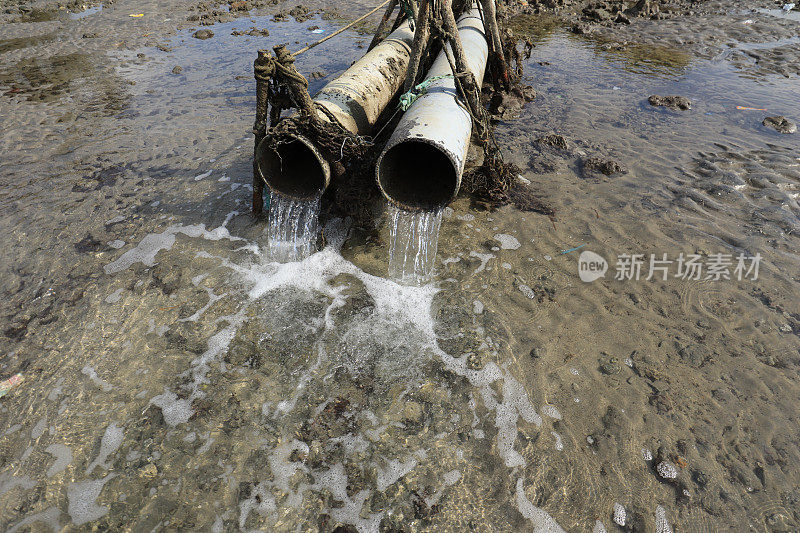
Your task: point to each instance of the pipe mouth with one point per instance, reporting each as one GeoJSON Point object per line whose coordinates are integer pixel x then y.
{"type": "Point", "coordinates": [418, 175]}
{"type": "Point", "coordinates": [293, 167]}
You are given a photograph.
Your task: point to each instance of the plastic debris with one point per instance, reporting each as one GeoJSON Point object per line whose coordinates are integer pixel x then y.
{"type": "Point", "coordinates": [749, 108]}
{"type": "Point", "coordinates": [136, 15]}
{"type": "Point", "coordinates": [748, 21]}
{"type": "Point", "coordinates": [10, 383]}
{"type": "Point", "coordinates": [318, 30]}
{"type": "Point", "coordinates": [788, 7]}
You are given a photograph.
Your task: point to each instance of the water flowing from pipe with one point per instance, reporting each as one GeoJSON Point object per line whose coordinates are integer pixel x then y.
{"type": "Point", "coordinates": [413, 239]}
{"type": "Point", "coordinates": [292, 227]}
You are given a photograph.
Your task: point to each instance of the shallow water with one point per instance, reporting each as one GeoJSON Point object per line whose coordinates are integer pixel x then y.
{"type": "Point", "coordinates": [195, 383]}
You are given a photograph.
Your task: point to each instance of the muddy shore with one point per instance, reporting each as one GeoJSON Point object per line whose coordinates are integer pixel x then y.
{"type": "Point", "coordinates": [171, 383]}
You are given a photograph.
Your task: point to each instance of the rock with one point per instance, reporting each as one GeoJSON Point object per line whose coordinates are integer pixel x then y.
{"type": "Point", "coordinates": [608, 167]}
{"type": "Point", "coordinates": [474, 361]}
{"type": "Point", "coordinates": [670, 102]}
{"type": "Point", "coordinates": [610, 367]}
{"type": "Point", "coordinates": [556, 141]}
{"type": "Point", "coordinates": [537, 351]}
{"type": "Point", "coordinates": [239, 6]}
{"type": "Point", "coordinates": [581, 29]}
{"type": "Point", "coordinates": [177, 70]}
{"type": "Point", "coordinates": [203, 34]}
{"type": "Point", "coordinates": [780, 124]}
{"type": "Point", "coordinates": [412, 412]}
{"type": "Point", "coordinates": [149, 471]}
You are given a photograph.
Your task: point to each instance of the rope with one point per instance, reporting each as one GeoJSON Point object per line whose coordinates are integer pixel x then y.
{"type": "Point", "coordinates": [407, 99]}
{"type": "Point", "coordinates": [405, 7]}
{"type": "Point", "coordinates": [340, 30]}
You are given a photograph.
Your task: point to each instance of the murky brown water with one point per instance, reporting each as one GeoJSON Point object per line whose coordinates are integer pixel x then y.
{"type": "Point", "coordinates": [175, 378]}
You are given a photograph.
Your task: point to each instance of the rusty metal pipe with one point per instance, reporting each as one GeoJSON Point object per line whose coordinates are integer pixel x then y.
{"type": "Point", "coordinates": [297, 168]}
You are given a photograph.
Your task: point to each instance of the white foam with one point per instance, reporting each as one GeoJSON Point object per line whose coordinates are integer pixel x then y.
{"type": "Point", "coordinates": [203, 175]}
{"type": "Point", "coordinates": [92, 375]}
{"type": "Point", "coordinates": [38, 429]}
{"type": "Point", "coordinates": [63, 455]}
{"type": "Point", "coordinates": [540, 520]}
{"type": "Point", "coordinates": [662, 525]}
{"type": "Point", "coordinates": [551, 411]}
{"type": "Point", "coordinates": [175, 410]}
{"type": "Point", "coordinates": [49, 516]}
{"type": "Point", "coordinates": [9, 481]}
{"type": "Point", "coordinates": [507, 242]}
{"type": "Point", "coordinates": [82, 496]}
{"type": "Point", "coordinates": [111, 441]}
{"type": "Point", "coordinates": [484, 258]}
{"type": "Point", "coordinates": [145, 252]}
{"type": "Point", "coordinates": [559, 444]}
{"type": "Point", "coordinates": [115, 296]}
{"type": "Point", "coordinates": [393, 471]}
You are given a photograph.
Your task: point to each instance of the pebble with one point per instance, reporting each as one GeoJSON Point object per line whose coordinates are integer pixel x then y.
{"type": "Point", "coordinates": [203, 34]}
{"type": "Point", "coordinates": [148, 471]}
{"type": "Point", "coordinates": [177, 70]}
{"type": "Point", "coordinates": [670, 102]}
{"type": "Point", "coordinates": [780, 124]}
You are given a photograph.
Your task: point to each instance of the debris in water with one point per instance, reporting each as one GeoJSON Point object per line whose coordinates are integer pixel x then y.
{"type": "Point", "coordinates": [10, 383]}
{"type": "Point", "coordinates": [413, 239]}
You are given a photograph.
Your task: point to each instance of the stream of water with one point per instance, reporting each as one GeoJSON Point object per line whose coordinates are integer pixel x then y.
{"type": "Point", "coordinates": [413, 239]}
{"type": "Point", "coordinates": [292, 227]}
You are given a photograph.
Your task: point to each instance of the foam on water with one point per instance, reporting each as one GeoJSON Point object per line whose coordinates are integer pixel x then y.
{"type": "Point", "coordinates": [111, 441]}
{"type": "Point", "coordinates": [394, 339]}
{"type": "Point", "coordinates": [82, 495]}
{"type": "Point", "coordinates": [413, 240]}
{"type": "Point", "coordinates": [292, 227]}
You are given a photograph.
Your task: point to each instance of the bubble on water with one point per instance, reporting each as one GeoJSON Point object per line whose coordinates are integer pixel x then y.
{"type": "Point", "coordinates": [9, 481]}
{"type": "Point", "coordinates": [49, 516]}
{"type": "Point", "coordinates": [647, 455]}
{"type": "Point", "coordinates": [484, 258]}
{"type": "Point", "coordinates": [507, 242]}
{"type": "Point", "coordinates": [203, 175]}
{"type": "Point", "coordinates": [477, 307]}
{"type": "Point", "coordinates": [63, 455]}
{"type": "Point", "coordinates": [111, 441]}
{"type": "Point", "coordinates": [662, 525]}
{"type": "Point", "coordinates": [598, 527]}
{"type": "Point", "coordinates": [620, 515]}
{"type": "Point", "coordinates": [542, 522]}
{"type": "Point", "coordinates": [175, 410]}
{"type": "Point", "coordinates": [38, 429]}
{"type": "Point", "coordinates": [145, 252]}
{"type": "Point", "coordinates": [81, 496]}
{"type": "Point", "coordinates": [559, 444]}
{"type": "Point", "coordinates": [115, 296]}
{"type": "Point", "coordinates": [551, 411]}
{"type": "Point", "coordinates": [92, 375]}
{"type": "Point", "coordinates": [393, 471]}
{"type": "Point", "coordinates": [116, 244]}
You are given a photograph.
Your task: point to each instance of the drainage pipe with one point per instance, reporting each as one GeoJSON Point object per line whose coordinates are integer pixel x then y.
{"type": "Point", "coordinates": [420, 168]}
{"type": "Point", "coordinates": [295, 167]}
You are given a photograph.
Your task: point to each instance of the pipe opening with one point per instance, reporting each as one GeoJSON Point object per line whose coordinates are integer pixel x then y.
{"type": "Point", "coordinates": [418, 175]}
{"type": "Point", "coordinates": [293, 168]}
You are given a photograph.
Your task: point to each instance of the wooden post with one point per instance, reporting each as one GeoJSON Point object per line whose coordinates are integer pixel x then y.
{"type": "Point", "coordinates": [382, 26]}
{"type": "Point", "coordinates": [498, 59]}
{"type": "Point", "coordinates": [421, 34]}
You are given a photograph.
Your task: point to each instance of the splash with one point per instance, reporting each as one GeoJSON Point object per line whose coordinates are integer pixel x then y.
{"type": "Point", "coordinates": [292, 228]}
{"type": "Point", "coordinates": [413, 239]}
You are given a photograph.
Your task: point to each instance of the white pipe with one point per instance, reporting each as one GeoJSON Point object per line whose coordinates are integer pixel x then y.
{"type": "Point", "coordinates": [421, 165]}
{"type": "Point", "coordinates": [356, 99]}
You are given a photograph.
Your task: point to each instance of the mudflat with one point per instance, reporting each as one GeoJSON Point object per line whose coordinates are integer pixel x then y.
{"type": "Point", "coordinates": [175, 379]}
